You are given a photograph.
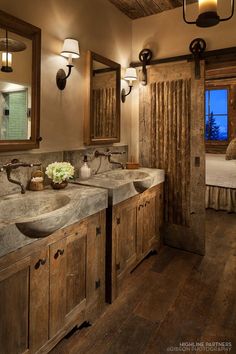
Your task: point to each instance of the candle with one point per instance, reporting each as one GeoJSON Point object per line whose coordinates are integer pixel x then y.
{"type": "Point", "coordinates": [6, 56]}
{"type": "Point", "coordinates": [207, 6]}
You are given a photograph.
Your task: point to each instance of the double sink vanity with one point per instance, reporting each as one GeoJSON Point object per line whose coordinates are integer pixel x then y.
{"type": "Point", "coordinates": [66, 253]}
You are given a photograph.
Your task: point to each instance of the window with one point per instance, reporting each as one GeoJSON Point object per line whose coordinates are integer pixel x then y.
{"type": "Point", "coordinates": [216, 115]}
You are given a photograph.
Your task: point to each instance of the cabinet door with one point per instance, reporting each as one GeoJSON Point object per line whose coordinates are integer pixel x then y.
{"type": "Point", "coordinates": [14, 308]}
{"type": "Point", "coordinates": [67, 278]}
{"type": "Point", "coordinates": [95, 273]}
{"type": "Point", "coordinates": [24, 304]}
{"type": "Point", "coordinates": [126, 236]}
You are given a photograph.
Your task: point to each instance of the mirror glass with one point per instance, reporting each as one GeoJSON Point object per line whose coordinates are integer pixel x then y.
{"type": "Point", "coordinates": [102, 123]}
{"type": "Point", "coordinates": [104, 101]}
{"type": "Point", "coordinates": [15, 87]}
{"type": "Point", "coordinates": [20, 63]}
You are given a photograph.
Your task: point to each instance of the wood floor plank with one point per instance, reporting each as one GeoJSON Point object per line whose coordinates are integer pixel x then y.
{"type": "Point", "coordinates": [166, 288]}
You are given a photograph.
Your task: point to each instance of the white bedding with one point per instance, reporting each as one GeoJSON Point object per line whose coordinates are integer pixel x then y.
{"type": "Point", "coordinates": [220, 172]}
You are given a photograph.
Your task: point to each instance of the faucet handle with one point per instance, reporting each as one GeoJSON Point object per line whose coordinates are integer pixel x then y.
{"type": "Point", "coordinates": [15, 161]}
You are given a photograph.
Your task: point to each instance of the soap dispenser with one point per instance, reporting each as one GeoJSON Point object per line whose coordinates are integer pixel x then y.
{"type": "Point", "coordinates": [85, 170]}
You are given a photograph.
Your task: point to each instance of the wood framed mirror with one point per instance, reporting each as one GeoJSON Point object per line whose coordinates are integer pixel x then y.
{"type": "Point", "coordinates": [19, 84]}
{"type": "Point", "coordinates": [102, 103]}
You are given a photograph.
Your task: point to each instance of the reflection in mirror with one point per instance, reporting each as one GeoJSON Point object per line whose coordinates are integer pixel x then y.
{"type": "Point", "coordinates": [20, 58]}
{"type": "Point", "coordinates": [15, 86]}
{"type": "Point", "coordinates": [104, 101]}
{"type": "Point", "coordinates": [102, 113]}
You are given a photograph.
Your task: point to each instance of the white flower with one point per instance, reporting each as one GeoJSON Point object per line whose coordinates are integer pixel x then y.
{"type": "Point", "coordinates": [60, 171]}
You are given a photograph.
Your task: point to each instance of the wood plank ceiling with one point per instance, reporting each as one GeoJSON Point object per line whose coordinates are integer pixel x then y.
{"type": "Point", "coordinates": [141, 8]}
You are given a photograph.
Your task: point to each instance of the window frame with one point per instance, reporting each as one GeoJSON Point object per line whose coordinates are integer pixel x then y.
{"type": "Point", "coordinates": [220, 146]}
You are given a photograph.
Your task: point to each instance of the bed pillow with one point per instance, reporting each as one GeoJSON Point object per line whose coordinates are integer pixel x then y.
{"type": "Point", "coordinates": [231, 150]}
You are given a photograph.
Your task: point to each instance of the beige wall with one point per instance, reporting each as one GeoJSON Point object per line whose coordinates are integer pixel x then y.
{"type": "Point", "coordinates": [167, 35]}
{"type": "Point", "coordinates": [98, 26]}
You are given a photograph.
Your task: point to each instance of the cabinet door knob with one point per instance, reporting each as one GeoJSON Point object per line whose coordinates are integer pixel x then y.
{"type": "Point", "coordinates": [118, 266]}
{"type": "Point", "coordinates": [118, 221]}
{"type": "Point", "coordinates": [39, 263]}
{"type": "Point", "coordinates": [98, 231]}
{"type": "Point", "coordinates": [140, 206]}
{"type": "Point", "coordinates": [59, 253]}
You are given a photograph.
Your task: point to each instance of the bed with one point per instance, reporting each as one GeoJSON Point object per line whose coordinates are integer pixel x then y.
{"type": "Point", "coordinates": [220, 183]}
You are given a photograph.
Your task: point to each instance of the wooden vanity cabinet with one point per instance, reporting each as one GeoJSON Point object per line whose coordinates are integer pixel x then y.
{"type": "Point", "coordinates": [133, 231]}
{"type": "Point", "coordinates": [49, 291]}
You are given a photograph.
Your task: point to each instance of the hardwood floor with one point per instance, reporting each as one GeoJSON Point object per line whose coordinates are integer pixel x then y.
{"type": "Point", "coordinates": [171, 298]}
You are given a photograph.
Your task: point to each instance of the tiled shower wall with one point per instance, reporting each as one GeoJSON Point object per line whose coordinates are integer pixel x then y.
{"type": "Point", "coordinates": [75, 157]}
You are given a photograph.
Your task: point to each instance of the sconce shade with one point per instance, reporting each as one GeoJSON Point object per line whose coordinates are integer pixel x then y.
{"type": "Point", "coordinates": [130, 74]}
{"type": "Point", "coordinates": [70, 48]}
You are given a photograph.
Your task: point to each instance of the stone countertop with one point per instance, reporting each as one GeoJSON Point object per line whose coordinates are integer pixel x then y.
{"type": "Point", "coordinates": [85, 201]}
{"type": "Point", "coordinates": [121, 188]}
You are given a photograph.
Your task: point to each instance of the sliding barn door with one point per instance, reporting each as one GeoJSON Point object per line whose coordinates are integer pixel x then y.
{"type": "Point", "coordinates": [171, 137]}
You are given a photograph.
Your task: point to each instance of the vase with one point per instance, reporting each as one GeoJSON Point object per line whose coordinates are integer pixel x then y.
{"type": "Point", "coordinates": [59, 185]}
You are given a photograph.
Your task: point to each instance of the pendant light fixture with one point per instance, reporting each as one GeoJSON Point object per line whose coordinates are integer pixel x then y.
{"type": "Point", "coordinates": [208, 15]}
{"type": "Point", "coordinates": [6, 58]}
{"type": "Point", "coordinates": [7, 47]}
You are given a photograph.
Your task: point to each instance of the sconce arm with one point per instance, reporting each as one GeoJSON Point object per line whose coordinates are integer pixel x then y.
{"type": "Point", "coordinates": [123, 94]}
{"type": "Point", "coordinates": [69, 71]}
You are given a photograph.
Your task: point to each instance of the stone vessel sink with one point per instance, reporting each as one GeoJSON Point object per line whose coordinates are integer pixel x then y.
{"type": "Point", "coordinates": [141, 180]}
{"type": "Point", "coordinates": [124, 184]}
{"type": "Point", "coordinates": [36, 215]}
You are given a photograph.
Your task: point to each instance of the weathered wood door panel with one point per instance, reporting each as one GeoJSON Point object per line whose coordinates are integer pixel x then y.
{"type": "Point", "coordinates": [14, 308]}
{"type": "Point", "coordinates": [75, 269]}
{"type": "Point", "coordinates": [171, 124]}
{"type": "Point", "coordinates": [39, 299]}
{"type": "Point", "coordinates": [126, 236]}
{"type": "Point", "coordinates": [95, 266]}
{"type": "Point", "coordinates": [57, 305]}
{"type": "Point", "coordinates": [149, 222]}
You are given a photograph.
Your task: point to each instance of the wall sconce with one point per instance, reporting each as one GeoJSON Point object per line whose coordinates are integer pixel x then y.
{"type": "Point", "coordinates": [208, 15]}
{"type": "Point", "coordinates": [70, 50]}
{"type": "Point", "coordinates": [7, 46]}
{"type": "Point", "coordinates": [130, 75]}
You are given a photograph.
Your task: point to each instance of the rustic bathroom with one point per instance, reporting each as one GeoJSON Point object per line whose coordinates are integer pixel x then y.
{"type": "Point", "coordinates": [117, 176]}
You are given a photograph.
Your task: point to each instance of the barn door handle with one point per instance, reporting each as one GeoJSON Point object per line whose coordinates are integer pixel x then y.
{"type": "Point", "coordinates": [97, 284]}
{"type": "Point", "coordinates": [39, 263]}
{"type": "Point", "coordinates": [59, 253]}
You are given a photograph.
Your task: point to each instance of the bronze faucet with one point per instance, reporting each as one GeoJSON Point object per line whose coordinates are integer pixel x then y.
{"type": "Point", "coordinates": [109, 154]}
{"type": "Point", "coordinates": [15, 163]}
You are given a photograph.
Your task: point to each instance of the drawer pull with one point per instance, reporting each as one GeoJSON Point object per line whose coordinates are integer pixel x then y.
{"type": "Point", "coordinates": [39, 263]}
{"type": "Point", "coordinates": [147, 202]}
{"type": "Point", "coordinates": [140, 206]}
{"type": "Point", "coordinates": [98, 231]}
{"type": "Point", "coordinates": [118, 266]}
{"type": "Point", "coordinates": [59, 253]}
{"type": "Point", "coordinates": [118, 221]}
